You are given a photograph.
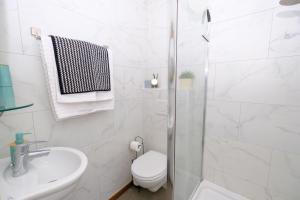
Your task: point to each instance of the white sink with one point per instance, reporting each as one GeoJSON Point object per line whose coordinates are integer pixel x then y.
{"type": "Point", "coordinates": [50, 177]}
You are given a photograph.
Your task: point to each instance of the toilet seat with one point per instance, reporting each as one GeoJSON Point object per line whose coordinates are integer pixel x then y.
{"type": "Point", "coordinates": [150, 170]}
{"type": "Point", "coordinates": [150, 178]}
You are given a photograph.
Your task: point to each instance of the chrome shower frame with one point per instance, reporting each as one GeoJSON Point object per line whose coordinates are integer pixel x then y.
{"type": "Point", "coordinates": [172, 86]}
{"type": "Point", "coordinates": [172, 74]}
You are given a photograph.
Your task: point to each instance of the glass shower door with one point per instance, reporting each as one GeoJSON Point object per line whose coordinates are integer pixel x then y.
{"type": "Point", "coordinates": [191, 64]}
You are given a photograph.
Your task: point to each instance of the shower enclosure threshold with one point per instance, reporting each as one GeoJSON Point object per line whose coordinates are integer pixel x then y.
{"type": "Point", "coordinates": [211, 191]}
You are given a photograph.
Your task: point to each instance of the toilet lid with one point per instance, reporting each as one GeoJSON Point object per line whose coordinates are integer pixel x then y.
{"type": "Point", "coordinates": [150, 165]}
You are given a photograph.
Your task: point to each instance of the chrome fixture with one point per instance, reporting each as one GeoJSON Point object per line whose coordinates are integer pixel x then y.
{"type": "Point", "coordinates": [172, 75]}
{"type": "Point", "coordinates": [206, 19]}
{"type": "Point", "coordinates": [140, 140]}
{"type": "Point", "coordinates": [289, 2]}
{"type": "Point", "coordinates": [22, 155]}
{"type": "Point", "coordinates": [205, 38]}
{"type": "Point", "coordinates": [208, 15]}
{"type": "Point", "coordinates": [37, 34]}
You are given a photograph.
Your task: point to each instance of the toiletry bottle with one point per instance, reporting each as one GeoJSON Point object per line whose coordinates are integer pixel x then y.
{"type": "Point", "coordinates": [19, 139]}
{"type": "Point", "coordinates": [12, 149]}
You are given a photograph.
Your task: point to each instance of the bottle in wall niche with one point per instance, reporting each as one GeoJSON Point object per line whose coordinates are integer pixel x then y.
{"type": "Point", "coordinates": [154, 81]}
{"type": "Point", "coordinates": [7, 98]}
{"type": "Point", "coordinates": [147, 84]}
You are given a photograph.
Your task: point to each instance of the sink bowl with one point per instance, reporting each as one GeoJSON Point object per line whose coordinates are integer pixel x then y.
{"type": "Point", "coordinates": [50, 177]}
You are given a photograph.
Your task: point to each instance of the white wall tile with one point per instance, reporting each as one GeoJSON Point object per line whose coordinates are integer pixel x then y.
{"type": "Point", "coordinates": [224, 10]}
{"type": "Point", "coordinates": [158, 32]}
{"type": "Point", "coordinates": [248, 162]}
{"type": "Point", "coordinates": [129, 46]}
{"type": "Point", "coordinates": [133, 14]}
{"type": "Point", "coordinates": [10, 5]}
{"type": "Point", "coordinates": [53, 18]}
{"type": "Point", "coordinates": [128, 118]}
{"type": "Point", "coordinates": [93, 9]}
{"type": "Point", "coordinates": [155, 123]}
{"type": "Point", "coordinates": [117, 159]}
{"type": "Point", "coordinates": [28, 80]}
{"type": "Point", "coordinates": [128, 82]}
{"type": "Point", "coordinates": [284, 176]}
{"type": "Point", "coordinates": [158, 95]}
{"type": "Point", "coordinates": [158, 47]}
{"type": "Point", "coordinates": [159, 14]}
{"type": "Point", "coordinates": [285, 37]}
{"type": "Point", "coordinates": [10, 37]}
{"type": "Point", "coordinates": [242, 38]}
{"type": "Point", "coordinates": [270, 126]}
{"type": "Point", "coordinates": [208, 171]}
{"type": "Point", "coordinates": [82, 131]}
{"type": "Point", "coordinates": [72, 133]}
{"type": "Point", "coordinates": [222, 119]}
{"type": "Point", "coordinates": [274, 81]}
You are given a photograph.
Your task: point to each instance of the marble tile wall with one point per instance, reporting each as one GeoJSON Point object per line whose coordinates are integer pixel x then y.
{"type": "Point", "coordinates": [253, 113]}
{"type": "Point", "coordinates": [103, 136]}
{"type": "Point", "coordinates": [155, 100]}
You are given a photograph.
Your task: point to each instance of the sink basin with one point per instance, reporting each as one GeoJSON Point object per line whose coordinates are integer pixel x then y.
{"type": "Point", "coordinates": [50, 177]}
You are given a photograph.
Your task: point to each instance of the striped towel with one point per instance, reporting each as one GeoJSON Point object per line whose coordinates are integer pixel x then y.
{"type": "Point", "coordinates": [82, 66]}
{"type": "Point", "coordinates": [63, 111]}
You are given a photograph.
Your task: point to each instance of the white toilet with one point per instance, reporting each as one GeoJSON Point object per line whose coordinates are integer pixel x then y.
{"type": "Point", "coordinates": [150, 170]}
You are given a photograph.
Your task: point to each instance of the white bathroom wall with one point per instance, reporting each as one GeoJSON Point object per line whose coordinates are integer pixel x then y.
{"type": "Point", "coordinates": [253, 114]}
{"type": "Point", "coordinates": [155, 100]}
{"type": "Point", "coordinates": [103, 136]}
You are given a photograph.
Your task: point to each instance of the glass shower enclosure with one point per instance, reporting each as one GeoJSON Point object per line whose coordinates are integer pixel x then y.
{"type": "Point", "coordinates": [188, 62]}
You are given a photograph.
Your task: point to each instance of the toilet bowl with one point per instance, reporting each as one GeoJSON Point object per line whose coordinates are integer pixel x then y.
{"type": "Point", "coordinates": [150, 170]}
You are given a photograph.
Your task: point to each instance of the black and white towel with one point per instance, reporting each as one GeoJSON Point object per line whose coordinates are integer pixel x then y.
{"type": "Point", "coordinates": [82, 66]}
{"type": "Point", "coordinates": [78, 104]}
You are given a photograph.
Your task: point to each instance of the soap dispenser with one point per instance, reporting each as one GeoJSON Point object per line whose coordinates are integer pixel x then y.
{"type": "Point", "coordinates": [19, 139]}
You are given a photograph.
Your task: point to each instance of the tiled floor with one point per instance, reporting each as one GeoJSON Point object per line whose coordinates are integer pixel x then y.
{"type": "Point", "coordinates": [135, 193]}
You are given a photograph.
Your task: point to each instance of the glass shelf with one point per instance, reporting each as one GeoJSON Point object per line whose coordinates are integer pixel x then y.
{"type": "Point", "coordinates": [15, 107]}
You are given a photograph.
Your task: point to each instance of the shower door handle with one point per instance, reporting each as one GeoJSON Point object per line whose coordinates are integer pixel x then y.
{"type": "Point", "coordinates": [208, 15]}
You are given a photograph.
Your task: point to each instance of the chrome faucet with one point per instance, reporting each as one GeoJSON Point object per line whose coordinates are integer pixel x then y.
{"type": "Point", "coordinates": [22, 155]}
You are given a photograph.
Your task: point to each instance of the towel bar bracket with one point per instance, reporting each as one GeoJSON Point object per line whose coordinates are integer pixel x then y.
{"type": "Point", "coordinates": [36, 32]}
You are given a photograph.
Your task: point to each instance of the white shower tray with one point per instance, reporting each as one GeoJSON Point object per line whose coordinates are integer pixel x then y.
{"type": "Point", "coordinates": [210, 191]}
